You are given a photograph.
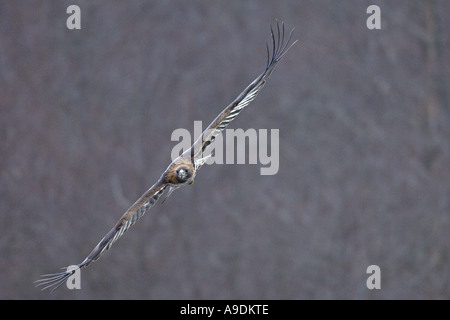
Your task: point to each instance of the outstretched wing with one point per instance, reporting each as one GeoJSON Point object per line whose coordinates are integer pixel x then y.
{"type": "Point", "coordinates": [279, 49]}
{"type": "Point", "coordinates": [137, 210]}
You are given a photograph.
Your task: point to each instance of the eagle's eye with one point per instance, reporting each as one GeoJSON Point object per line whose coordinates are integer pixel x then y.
{"type": "Point", "coordinates": [182, 174]}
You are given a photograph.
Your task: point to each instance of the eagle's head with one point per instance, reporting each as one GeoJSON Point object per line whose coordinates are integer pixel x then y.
{"type": "Point", "coordinates": [181, 171]}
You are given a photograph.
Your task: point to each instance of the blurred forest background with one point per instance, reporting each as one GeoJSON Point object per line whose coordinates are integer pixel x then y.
{"type": "Point", "coordinates": [86, 118]}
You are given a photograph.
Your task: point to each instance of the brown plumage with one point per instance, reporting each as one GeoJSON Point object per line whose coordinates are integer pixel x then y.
{"type": "Point", "coordinates": [174, 173]}
{"type": "Point", "coordinates": [182, 170]}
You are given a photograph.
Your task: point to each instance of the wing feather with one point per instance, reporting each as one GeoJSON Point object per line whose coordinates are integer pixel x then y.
{"type": "Point", "coordinates": [279, 49]}
{"type": "Point", "coordinates": [129, 218]}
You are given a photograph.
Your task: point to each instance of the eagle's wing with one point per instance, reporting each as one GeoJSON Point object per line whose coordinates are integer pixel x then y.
{"type": "Point", "coordinates": [137, 210]}
{"type": "Point", "coordinates": [280, 47]}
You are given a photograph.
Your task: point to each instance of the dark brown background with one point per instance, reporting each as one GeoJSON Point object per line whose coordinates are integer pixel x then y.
{"type": "Point", "coordinates": [85, 124]}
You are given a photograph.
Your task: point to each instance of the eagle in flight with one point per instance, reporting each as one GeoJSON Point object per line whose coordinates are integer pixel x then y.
{"type": "Point", "coordinates": [183, 169]}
